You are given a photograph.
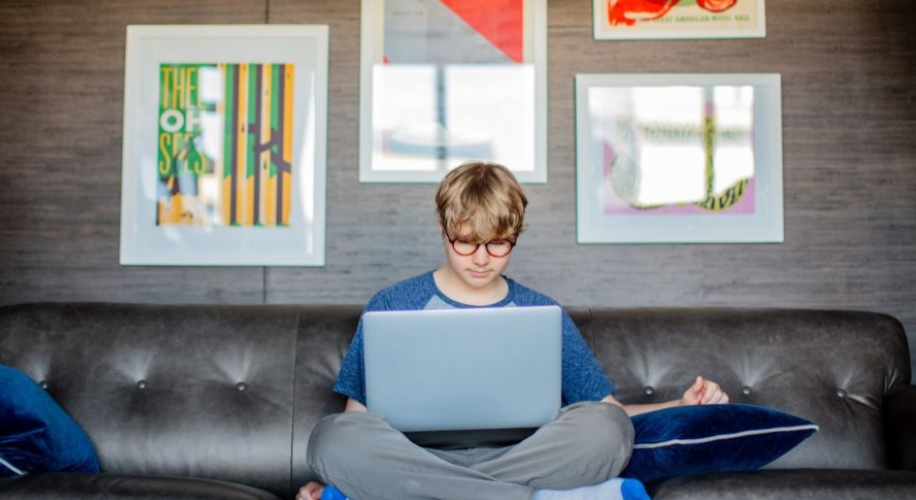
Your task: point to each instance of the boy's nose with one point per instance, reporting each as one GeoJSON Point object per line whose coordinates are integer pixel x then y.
{"type": "Point", "coordinates": [481, 256]}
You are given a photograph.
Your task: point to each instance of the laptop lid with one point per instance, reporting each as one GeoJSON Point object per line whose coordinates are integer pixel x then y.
{"type": "Point", "coordinates": [430, 372]}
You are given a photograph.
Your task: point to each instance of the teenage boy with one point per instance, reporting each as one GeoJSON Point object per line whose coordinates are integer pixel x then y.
{"type": "Point", "coordinates": [481, 210]}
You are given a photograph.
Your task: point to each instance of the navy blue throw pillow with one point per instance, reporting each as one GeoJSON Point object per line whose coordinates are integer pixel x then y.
{"type": "Point", "coordinates": [37, 435]}
{"type": "Point", "coordinates": [711, 438]}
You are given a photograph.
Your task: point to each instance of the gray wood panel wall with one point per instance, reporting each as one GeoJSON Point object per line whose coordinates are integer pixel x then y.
{"type": "Point", "coordinates": [849, 116]}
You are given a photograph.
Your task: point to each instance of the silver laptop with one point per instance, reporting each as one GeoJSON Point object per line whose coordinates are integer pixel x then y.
{"type": "Point", "coordinates": [464, 377]}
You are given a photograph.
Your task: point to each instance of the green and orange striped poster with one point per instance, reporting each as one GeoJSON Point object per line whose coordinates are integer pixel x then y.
{"type": "Point", "coordinates": [225, 144]}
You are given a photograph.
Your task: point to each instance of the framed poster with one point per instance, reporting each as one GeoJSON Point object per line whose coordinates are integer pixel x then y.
{"type": "Point", "coordinates": [448, 81]}
{"type": "Point", "coordinates": [639, 19]}
{"type": "Point", "coordinates": [679, 158]}
{"type": "Point", "coordinates": [224, 145]}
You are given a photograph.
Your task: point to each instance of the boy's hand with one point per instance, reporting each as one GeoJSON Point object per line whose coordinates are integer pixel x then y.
{"type": "Point", "coordinates": [704, 392]}
{"type": "Point", "coordinates": [311, 491]}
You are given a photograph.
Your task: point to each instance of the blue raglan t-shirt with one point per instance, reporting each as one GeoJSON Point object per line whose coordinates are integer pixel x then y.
{"type": "Point", "coordinates": [583, 379]}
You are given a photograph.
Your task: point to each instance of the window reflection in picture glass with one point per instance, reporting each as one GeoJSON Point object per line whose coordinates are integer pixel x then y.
{"type": "Point", "coordinates": [433, 118]}
{"type": "Point", "coordinates": [676, 150]}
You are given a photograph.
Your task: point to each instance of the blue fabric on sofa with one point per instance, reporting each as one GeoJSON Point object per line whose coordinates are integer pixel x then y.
{"type": "Point", "coordinates": [36, 434]}
{"type": "Point", "coordinates": [711, 438]}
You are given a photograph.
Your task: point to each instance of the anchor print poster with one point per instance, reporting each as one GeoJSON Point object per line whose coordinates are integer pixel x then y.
{"type": "Point", "coordinates": [679, 158]}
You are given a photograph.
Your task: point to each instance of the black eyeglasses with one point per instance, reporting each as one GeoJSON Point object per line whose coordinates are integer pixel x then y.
{"type": "Point", "coordinates": [495, 248]}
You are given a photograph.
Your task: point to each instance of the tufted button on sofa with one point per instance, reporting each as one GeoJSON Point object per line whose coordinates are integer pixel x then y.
{"type": "Point", "coordinates": [217, 401]}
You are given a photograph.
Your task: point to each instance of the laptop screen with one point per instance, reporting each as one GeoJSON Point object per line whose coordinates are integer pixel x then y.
{"type": "Point", "coordinates": [482, 369]}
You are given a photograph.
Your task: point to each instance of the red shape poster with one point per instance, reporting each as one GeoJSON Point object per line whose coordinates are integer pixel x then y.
{"type": "Point", "coordinates": [448, 81]}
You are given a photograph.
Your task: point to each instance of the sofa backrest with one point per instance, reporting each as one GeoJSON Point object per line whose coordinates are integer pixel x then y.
{"type": "Point", "coordinates": [830, 367]}
{"type": "Point", "coordinates": [324, 336]}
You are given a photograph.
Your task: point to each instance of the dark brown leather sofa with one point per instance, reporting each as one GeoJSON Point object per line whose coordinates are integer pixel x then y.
{"type": "Point", "coordinates": [217, 401]}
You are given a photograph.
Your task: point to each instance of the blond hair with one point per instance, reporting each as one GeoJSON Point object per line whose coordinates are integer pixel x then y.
{"type": "Point", "coordinates": [482, 200]}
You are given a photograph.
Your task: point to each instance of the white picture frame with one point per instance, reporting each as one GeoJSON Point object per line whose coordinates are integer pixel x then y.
{"type": "Point", "coordinates": [203, 182]}
{"type": "Point", "coordinates": [679, 158]}
{"type": "Point", "coordinates": [440, 85]}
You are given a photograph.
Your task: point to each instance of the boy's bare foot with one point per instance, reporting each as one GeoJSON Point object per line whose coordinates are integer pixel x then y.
{"type": "Point", "coordinates": [311, 491]}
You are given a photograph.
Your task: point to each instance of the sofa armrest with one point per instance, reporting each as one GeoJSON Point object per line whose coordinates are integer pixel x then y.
{"type": "Point", "coordinates": [900, 427]}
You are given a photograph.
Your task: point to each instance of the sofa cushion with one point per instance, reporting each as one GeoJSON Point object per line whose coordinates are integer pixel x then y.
{"type": "Point", "coordinates": [37, 435]}
{"type": "Point", "coordinates": [782, 484]}
{"type": "Point", "coordinates": [711, 438]}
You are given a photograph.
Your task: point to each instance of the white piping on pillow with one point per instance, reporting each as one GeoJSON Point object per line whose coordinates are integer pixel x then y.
{"type": "Point", "coordinates": [721, 437]}
{"type": "Point", "coordinates": [10, 467]}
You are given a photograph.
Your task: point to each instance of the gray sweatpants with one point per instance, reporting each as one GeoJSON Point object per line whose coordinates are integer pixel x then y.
{"type": "Point", "coordinates": [367, 459]}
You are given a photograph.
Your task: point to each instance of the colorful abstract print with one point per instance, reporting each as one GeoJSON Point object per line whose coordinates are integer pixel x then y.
{"type": "Point", "coordinates": [225, 145]}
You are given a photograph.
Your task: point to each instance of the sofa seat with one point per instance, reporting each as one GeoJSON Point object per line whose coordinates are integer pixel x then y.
{"type": "Point", "coordinates": [123, 486]}
{"type": "Point", "coordinates": [796, 484]}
